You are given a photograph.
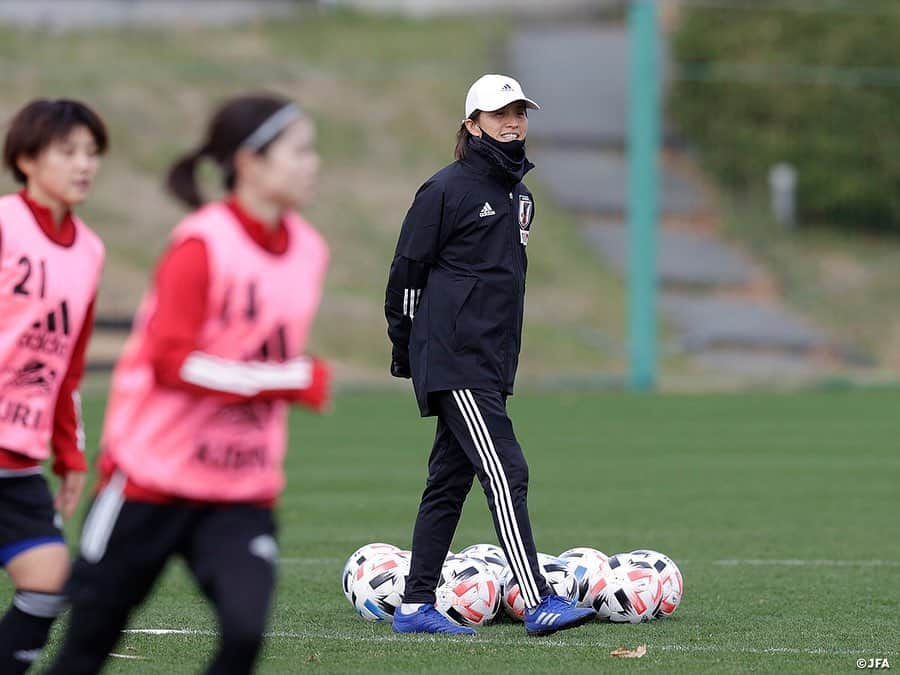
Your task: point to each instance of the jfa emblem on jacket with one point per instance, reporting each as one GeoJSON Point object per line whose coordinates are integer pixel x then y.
{"type": "Point", "coordinates": [526, 213]}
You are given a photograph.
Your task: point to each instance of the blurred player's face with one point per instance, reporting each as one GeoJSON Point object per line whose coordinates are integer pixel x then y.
{"type": "Point", "coordinates": [287, 174]}
{"type": "Point", "coordinates": [509, 123]}
{"type": "Point", "coordinates": [63, 172]}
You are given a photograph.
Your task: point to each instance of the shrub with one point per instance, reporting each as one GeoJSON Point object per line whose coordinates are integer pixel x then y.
{"type": "Point", "coordinates": [819, 89]}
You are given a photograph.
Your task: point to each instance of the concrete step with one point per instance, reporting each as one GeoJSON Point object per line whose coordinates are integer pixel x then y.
{"type": "Point", "coordinates": [579, 76]}
{"type": "Point", "coordinates": [763, 365]}
{"type": "Point", "coordinates": [596, 181]}
{"type": "Point", "coordinates": [683, 258]}
{"type": "Point", "coordinates": [708, 322]}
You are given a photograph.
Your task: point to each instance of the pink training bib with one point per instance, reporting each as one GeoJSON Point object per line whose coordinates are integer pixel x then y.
{"type": "Point", "coordinates": [260, 308]}
{"type": "Point", "coordinates": [45, 291]}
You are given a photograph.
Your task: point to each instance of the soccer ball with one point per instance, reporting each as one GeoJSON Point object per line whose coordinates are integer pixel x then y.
{"type": "Point", "coordinates": [584, 554]}
{"type": "Point", "coordinates": [489, 553]}
{"type": "Point", "coordinates": [378, 586]}
{"type": "Point", "coordinates": [669, 575]}
{"type": "Point", "coordinates": [584, 563]}
{"type": "Point", "coordinates": [468, 592]}
{"type": "Point", "coordinates": [511, 600]}
{"type": "Point", "coordinates": [629, 592]}
{"type": "Point", "coordinates": [492, 555]}
{"type": "Point", "coordinates": [558, 577]}
{"type": "Point", "coordinates": [357, 558]}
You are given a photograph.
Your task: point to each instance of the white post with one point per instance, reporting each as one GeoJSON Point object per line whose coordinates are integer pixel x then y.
{"type": "Point", "coordinates": [783, 188]}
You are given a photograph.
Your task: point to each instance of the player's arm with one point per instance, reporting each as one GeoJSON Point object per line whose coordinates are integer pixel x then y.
{"type": "Point", "coordinates": [182, 283]}
{"type": "Point", "coordinates": [67, 439]}
{"type": "Point", "coordinates": [416, 252]}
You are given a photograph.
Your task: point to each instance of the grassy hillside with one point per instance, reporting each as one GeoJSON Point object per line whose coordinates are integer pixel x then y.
{"type": "Point", "coordinates": [387, 95]}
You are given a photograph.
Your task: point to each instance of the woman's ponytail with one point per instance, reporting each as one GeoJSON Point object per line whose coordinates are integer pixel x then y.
{"type": "Point", "coordinates": [251, 122]}
{"type": "Point", "coordinates": [182, 179]}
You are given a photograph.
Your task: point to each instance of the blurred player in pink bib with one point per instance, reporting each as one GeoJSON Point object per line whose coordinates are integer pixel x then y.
{"type": "Point", "coordinates": [194, 439]}
{"type": "Point", "coordinates": [50, 266]}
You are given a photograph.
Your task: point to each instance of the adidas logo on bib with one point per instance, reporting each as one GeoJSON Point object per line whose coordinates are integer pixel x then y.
{"type": "Point", "coordinates": [486, 210]}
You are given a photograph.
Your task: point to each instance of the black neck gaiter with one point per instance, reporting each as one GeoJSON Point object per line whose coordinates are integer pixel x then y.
{"type": "Point", "coordinates": [509, 157]}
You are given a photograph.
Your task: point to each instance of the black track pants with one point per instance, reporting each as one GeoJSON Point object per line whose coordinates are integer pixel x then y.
{"type": "Point", "coordinates": [474, 437]}
{"type": "Point", "coordinates": [125, 546]}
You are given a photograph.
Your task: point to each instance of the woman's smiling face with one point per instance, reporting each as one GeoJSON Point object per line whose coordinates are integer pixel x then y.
{"type": "Point", "coordinates": [509, 123]}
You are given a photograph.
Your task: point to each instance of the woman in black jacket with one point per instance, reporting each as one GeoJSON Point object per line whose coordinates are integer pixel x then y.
{"type": "Point", "coordinates": [454, 306]}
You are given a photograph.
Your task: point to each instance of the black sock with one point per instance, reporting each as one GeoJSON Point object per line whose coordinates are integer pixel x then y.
{"type": "Point", "coordinates": [22, 637]}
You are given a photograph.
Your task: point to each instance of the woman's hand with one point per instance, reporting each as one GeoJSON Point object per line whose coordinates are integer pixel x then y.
{"type": "Point", "coordinates": [70, 489]}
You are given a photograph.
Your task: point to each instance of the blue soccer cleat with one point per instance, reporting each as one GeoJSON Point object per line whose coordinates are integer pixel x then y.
{"type": "Point", "coordinates": [555, 613]}
{"type": "Point", "coordinates": [427, 619]}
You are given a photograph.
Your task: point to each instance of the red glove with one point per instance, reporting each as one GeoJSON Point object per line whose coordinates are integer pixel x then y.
{"type": "Point", "coordinates": [317, 396]}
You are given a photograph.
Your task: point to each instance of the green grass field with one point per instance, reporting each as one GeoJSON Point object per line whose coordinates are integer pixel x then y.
{"type": "Point", "coordinates": [781, 511]}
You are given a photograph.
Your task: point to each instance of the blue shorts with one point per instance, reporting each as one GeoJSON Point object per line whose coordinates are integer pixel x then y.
{"type": "Point", "coordinates": [27, 516]}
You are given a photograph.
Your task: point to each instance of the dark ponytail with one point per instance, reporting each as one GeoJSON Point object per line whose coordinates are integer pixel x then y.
{"type": "Point", "coordinates": [182, 179]}
{"type": "Point", "coordinates": [231, 125]}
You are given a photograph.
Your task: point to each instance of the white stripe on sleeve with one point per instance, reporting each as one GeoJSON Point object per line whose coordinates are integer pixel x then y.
{"type": "Point", "coordinates": [79, 421]}
{"type": "Point", "coordinates": [102, 518]}
{"type": "Point", "coordinates": [411, 298]}
{"type": "Point", "coordinates": [245, 378]}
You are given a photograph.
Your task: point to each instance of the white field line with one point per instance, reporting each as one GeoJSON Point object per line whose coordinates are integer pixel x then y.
{"type": "Point", "coordinates": [567, 644]}
{"type": "Point", "coordinates": [731, 562]}
{"type": "Point", "coordinates": [807, 563]}
{"type": "Point", "coordinates": [127, 656]}
{"type": "Point", "coordinates": [169, 631]}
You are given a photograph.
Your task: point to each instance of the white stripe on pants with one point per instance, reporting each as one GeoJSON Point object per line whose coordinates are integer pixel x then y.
{"type": "Point", "coordinates": [503, 503]}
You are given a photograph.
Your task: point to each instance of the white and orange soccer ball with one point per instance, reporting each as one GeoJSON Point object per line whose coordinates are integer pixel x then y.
{"type": "Point", "coordinates": [357, 558]}
{"type": "Point", "coordinates": [628, 592]}
{"type": "Point", "coordinates": [670, 577]}
{"type": "Point", "coordinates": [584, 563]}
{"type": "Point", "coordinates": [468, 593]}
{"type": "Point", "coordinates": [378, 586]}
{"type": "Point", "coordinates": [558, 576]}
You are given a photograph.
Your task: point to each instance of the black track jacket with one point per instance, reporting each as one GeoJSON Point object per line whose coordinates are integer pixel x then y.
{"type": "Point", "coordinates": [456, 289]}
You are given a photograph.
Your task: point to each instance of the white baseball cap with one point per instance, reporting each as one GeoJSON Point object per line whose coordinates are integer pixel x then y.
{"type": "Point", "coordinates": [492, 92]}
